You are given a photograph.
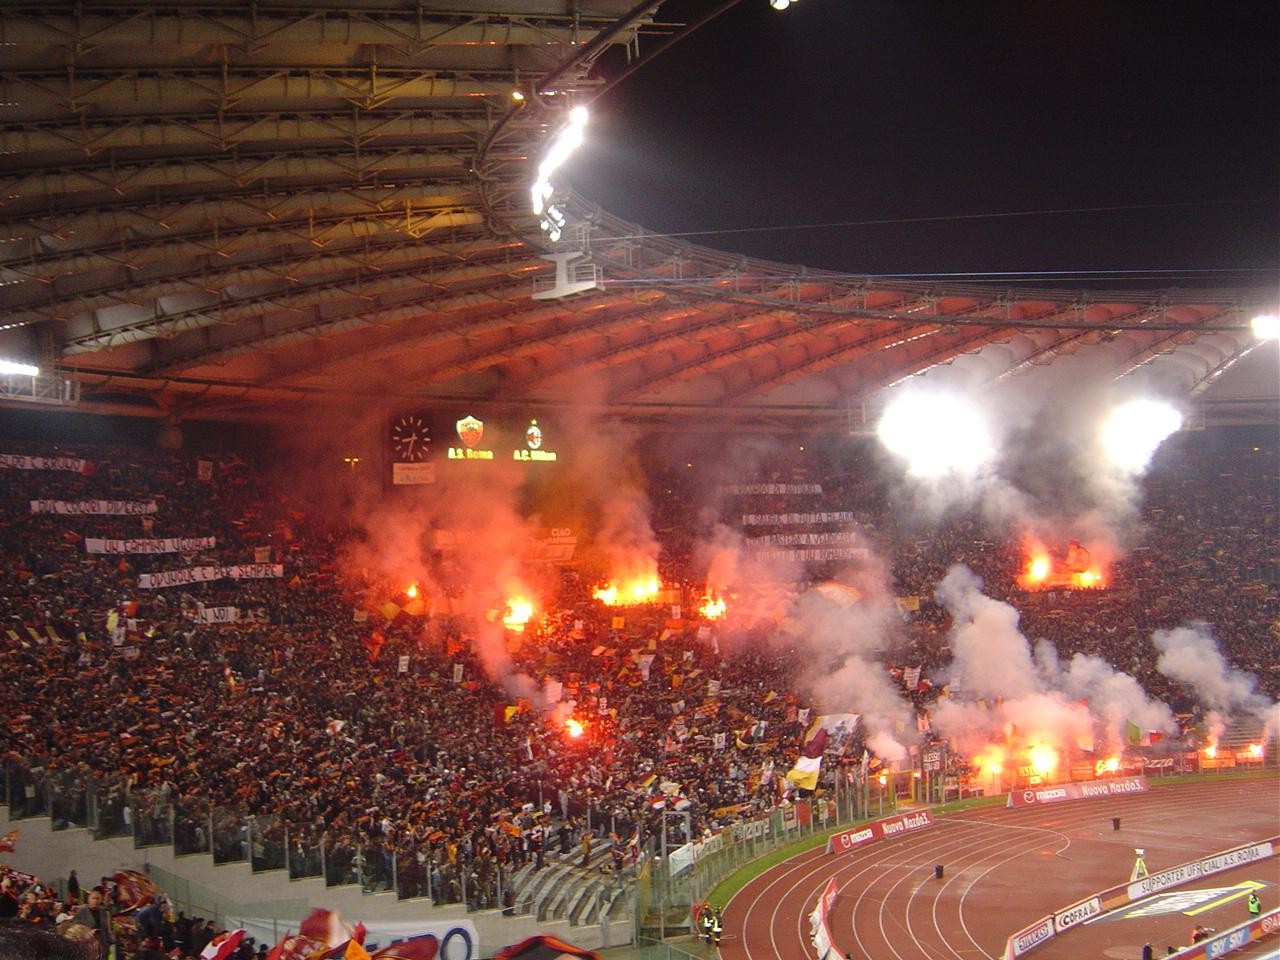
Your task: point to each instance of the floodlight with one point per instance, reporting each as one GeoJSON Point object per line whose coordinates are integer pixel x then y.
{"type": "Point", "coordinates": [1266, 326]}
{"type": "Point", "coordinates": [568, 139]}
{"type": "Point", "coordinates": [779, 4]}
{"type": "Point", "coordinates": [937, 434]}
{"type": "Point", "coordinates": [20, 369]}
{"type": "Point", "coordinates": [1131, 432]}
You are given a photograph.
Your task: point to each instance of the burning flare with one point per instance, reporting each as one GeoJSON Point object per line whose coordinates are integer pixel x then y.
{"type": "Point", "coordinates": [1073, 571]}
{"type": "Point", "coordinates": [1039, 568]}
{"type": "Point", "coordinates": [713, 607]}
{"type": "Point", "coordinates": [630, 593]}
{"type": "Point", "coordinates": [573, 727]}
{"type": "Point", "coordinates": [1044, 759]}
{"type": "Point", "coordinates": [519, 612]}
{"type": "Point", "coordinates": [1109, 765]}
{"type": "Point", "coordinates": [990, 761]}
{"type": "Point", "coordinates": [411, 591]}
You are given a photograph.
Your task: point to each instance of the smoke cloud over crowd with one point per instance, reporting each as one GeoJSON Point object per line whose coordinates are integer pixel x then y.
{"type": "Point", "coordinates": [1052, 466]}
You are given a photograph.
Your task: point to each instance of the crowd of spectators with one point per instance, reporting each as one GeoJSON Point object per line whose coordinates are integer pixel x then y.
{"type": "Point", "coordinates": [294, 729]}
{"type": "Point", "coordinates": [123, 914]}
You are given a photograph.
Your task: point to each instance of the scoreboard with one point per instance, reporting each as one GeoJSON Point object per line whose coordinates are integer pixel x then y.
{"type": "Point", "coordinates": [422, 443]}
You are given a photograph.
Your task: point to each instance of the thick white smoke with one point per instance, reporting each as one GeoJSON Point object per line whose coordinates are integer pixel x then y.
{"type": "Point", "coordinates": [843, 645]}
{"type": "Point", "coordinates": [1115, 698]}
{"type": "Point", "coordinates": [1000, 688]}
{"type": "Point", "coordinates": [1059, 456]}
{"type": "Point", "coordinates": [1190, 654]}
{"type": "Point", "coordinates": [991, 657]}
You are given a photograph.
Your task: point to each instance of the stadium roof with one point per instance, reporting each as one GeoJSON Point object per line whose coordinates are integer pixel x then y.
{"type": "Point", "coordinates": [220, 210]}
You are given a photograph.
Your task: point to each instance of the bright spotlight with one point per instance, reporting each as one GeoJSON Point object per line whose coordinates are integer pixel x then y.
{"type": "Point", "coordinates": [21, 369]}
{"type": "Point", "coordinates": [937, 434]}
{"type": "Point", "coordinates": [779, 4]}
{"type": "Point", "coordinates": [1133, 431]}
{"type": "Point", "coordinates": [1266, 327]}
{"type": "Point", "coordinates": [568, 139]}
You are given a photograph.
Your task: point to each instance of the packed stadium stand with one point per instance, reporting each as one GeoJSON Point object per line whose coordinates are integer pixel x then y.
{"type": "Point", "coordinates": [280, 713]}
{"type": "Point", "coordinates": [268, 646]}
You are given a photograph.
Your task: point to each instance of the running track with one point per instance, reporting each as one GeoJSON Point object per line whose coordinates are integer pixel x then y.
{"type": "Point", "coordinates": [1004, 869]}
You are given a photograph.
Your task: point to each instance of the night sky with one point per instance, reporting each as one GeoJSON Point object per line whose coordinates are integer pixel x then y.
{"type": "Point", "coordinates": [764, 124]}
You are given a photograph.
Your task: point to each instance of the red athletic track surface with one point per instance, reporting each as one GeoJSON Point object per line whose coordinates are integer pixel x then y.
{"type": "Point", "coordinates": [1004, 869]}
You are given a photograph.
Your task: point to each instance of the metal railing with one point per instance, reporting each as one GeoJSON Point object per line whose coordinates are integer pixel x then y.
{"type": "Point", "coordinates": [192, 826]}
{"type": "Point", "coordinates": [683, 876]}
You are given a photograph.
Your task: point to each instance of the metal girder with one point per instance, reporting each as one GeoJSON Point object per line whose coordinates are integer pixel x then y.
{"type": "Point", "coordinates": [37, 96]}
{"type": "Point", "coordinates": [237, 170]}
{"type": "Point", "coordinates": [416, 26]}
{"type": "Point", "coordinates": [272, 266]}
{"type": "Point", "coordinates": [1062, 343]}
{"type": "Point", "coordinates": [202, 248]}
{"type": "Point", "coordinates": [466, 331]}
{"type": "Point", "coordinates": [344, 307]}
{"type": "Point", "coordinates": [584, 363]}
{"type": "Point", "coordinates": [1160, 343]}
{"type": "Point", "coordinates": [354, 315]}
{"type": "Point", "coordinates": [357, 128]}
{"type": "Point", "coordinates": [296, 300]}
{"type": "Point", "coordinates": [576, 359]}
{"type": "Point", "coordinates": [240, 189]}
{"type": "Point", "coordinates": [875, 340]}
{"type": "Point", "coordinates": [710, 361]}
{"type": "Point", "coordinates": [771, 342]}
{"type": "Point", "coordinates": [239, 210]}
{"type": "Point", "coordinates": [402, 332]}
{"type": "Point", "coordinates": [955, 345]}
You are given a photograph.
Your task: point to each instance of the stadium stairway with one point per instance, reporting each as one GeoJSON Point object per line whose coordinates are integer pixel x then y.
{"type": "Point", "coordinates": [562, 890]}
{"type": "Point", "coordinates": [562, 899]}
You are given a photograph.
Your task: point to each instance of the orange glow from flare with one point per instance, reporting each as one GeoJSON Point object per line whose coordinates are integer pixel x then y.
{"type": "Point", "coordinates": [632, 592]}
{"type": "Point", "coordinates": [1211, 751]}
{"type": "Point", "coordinates": [573, 727]}
{"type": "Point", "coordinates": [1075, 571]}
{"type": "Point", "coordinates": [1111, 764]}
{"type": "Point", "coordinates": [1039, 568]}
{"type": "Point", "coordinates": [1088, 578]}
{"type": "Point", "coordinates": [519, 612]}
{"type": "Point", "coordinates": [712, 608]}
{"type": "Point", "coordinates": [990, 762]}
{"type": "Point", "coordinates": [1255, 750]}
{"type": "Point", "coordinates": [411, 591]}
{"type": "Point", "coordinates": [1044, 759]}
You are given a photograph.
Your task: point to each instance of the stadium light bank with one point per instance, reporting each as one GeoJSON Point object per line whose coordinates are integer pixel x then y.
{"type": "Point", "coordinates": [1266, 327]}
{"type": "Point", "coordinates": [15, 368]}
{"type": "Point", "coordinates": [568, 139]}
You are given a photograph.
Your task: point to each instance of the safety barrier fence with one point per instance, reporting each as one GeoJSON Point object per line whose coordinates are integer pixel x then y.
{"type": "Point", "coordinates": [649, 949]}
{"type": "Point", "coordinates": [108, 807]}
{"type": "Point", "coordinates": [1058, 922]}
{"type": "Point", "coordinates": [683, 873]}
{"type": "Point", "coordinates": [686, 874]}
{"type": "Point", "coordinates": [1237, 938]}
